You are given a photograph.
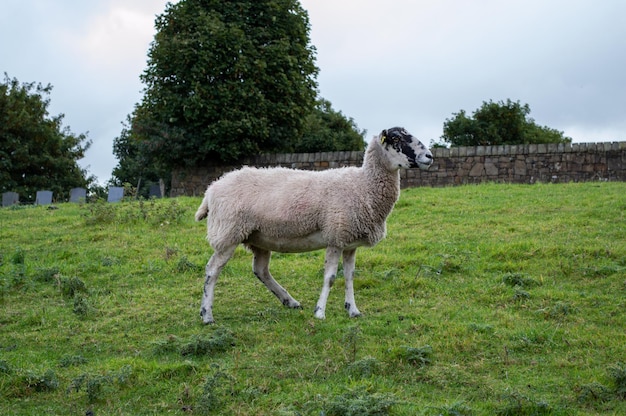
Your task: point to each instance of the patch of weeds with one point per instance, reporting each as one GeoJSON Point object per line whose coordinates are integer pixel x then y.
{"type": "Point", "coordinates": [455, 409]}
{"type": "Point", "coordinates": [82, 306]}
{"type": "Point", "coordinates": [360, 402]}
{"type": "Point", "coordinates": [212, 391]}
{"type": "Point", "coordinates": [19, 256]}
{"type": "Point", "coordinates": [603, 271]}
{"type": "Point", "coordinates": [519, 280]}
{"type": "Point", "coordinates": [618, 379]}
{"type": "Point", "coordinates": [184, 265]}
{"type": "Point", "coordinates": [46, 275]}
{"type": "Point", "coordinates": [170, 252]}
{"type": "Point", "coordinates": [593, 393]}
{"type": "Point", "coordinates": [390, 274]}
{"type": "Point", "coordinates": [520, 295]}
{"type": "Point", "coordinates": [221, 340]}
{"type": "Point", "coordinates": [169, 213]}
{"type": "Point", "coordinates": [428, 271]}
{"type": "Point", "coordinates": [520, 405]}
{"type": "Point", "coordinates": [481, 328]}
{"type": "Point", "coordinates": [72, 361]}
{"type": "Point", "coordinates": [351, 340]}
{"type": "Point", "coordinates": [47, 381]}
{"type": "Point", "coordinates": [364, 368]}
{"type": "Point", "coordinates": [98, 213]}
{"type": "Point", "coordinates": [109, 261]}
{"type": "Point", "coordinates": [418, 357]}
{"type": "Point", "coordinates": [559, 311]}
{"type": "Point", "coordinates": [5, 367]}
{"type": "Point", "coordinates": [95, 386]}
{"type": "Point", "coordinates": [70, 286]}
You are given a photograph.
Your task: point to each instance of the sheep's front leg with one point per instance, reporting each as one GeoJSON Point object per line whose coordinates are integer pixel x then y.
{"type": "Point", "coordinates": [261, 269]}
{"type": "Point", "coordinates": [330, 273]}
{"type": "Point", "coordinates": [349, 257]}
{"type": "Point", "coordinates": [213, 268]}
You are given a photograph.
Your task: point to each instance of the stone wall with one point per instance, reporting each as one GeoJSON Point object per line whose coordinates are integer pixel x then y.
{"type": "Point", "coordinates": [455, 166]}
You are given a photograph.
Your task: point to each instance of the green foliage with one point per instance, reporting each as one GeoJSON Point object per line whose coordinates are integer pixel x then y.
{"type": "Point", "coordinates": [359, 402]}
{"type": "Point", "coordinates": [520, 405]}
{"type": "Point", "coordinates": [36, 152]}
{"type": "Point", "coordinates": [212, 391]}
{"type": "Point", "coordinates": [71, 286]}
{"type": "Point", "coordinates": [225, 80]}
{"type": "Point", "coordinates": [220, 340]}
{"type": "Point", "coordinates": [496, 124]}
{"type": "Point", "coordinates": [418, 357]}
{"type": "Point", "coordinates": [133, 165]}
{"type": "Point", "coordinates": [519, 280]}
{"type": "Point", "coordinates": [72, 360]}
{"type": "Point", "coordinates": [618, 376]}
{"type": "Point", "coordinates": [163, 213]}
{"type": "Point", "coordinates": [96, 386]}
{"type": "Point", "coordinates": [38, 382]}
{"type": "Point", "coordinates": [327, 130]}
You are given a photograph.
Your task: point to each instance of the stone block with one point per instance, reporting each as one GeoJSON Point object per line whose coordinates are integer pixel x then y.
{"type": "Point", "coordinates": [10, 198]}
{"type": "Point", "coordinates": [78, 195]}
{"type": "Point", "coordinates": [43, 198]}
{"type": "Point", "coordinates": [116, 193]}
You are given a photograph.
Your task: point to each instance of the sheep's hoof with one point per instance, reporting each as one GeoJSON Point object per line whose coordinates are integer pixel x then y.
{"type": "Point", "coordinates": [319, 313]}
{"type": "Point", "coordinates": [293, 304]}
{"type": "Point", "coordinates": [206, 318]}
{"type": "Point", "coordinates": [353, 312]}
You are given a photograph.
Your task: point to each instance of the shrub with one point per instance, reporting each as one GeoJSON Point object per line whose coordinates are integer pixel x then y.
{"type": "Point", "coordinates": [359, 403]}
{"type": "Point", "coordinates": [70, 286]}
{"type": "Point", "coordinates": [47, 381]}
{"type": "Point", "coordinates": [418, 357]}
{"type": "Point", "coordinates": [618, 378]}
{"type": "Point", "coordinates": [519, 280]}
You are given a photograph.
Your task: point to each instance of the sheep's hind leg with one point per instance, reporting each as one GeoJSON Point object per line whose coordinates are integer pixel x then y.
{"type": "Point", "coordinates": [349, 257]}
{"type": "Point", "coordinates": [261, 269]}
{"type": "Point", "coordinates": [330, 273]}
{"type": "Point", "coordinates": [213, 268]}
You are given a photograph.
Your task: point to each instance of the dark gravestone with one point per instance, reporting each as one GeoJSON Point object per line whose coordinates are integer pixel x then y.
{"type": "Point", "coordinates": [155, 191]}
{"type": "Point", "coordinates": [78, 195]}
{"type": "Point", "coordinates": [43, 198]}
{"type": "Point", "coordinates": [116, 193]}
{"type": "Point", "coordinates": [10, 198]}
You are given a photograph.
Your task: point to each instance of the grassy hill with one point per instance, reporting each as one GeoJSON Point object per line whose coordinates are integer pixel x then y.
{"type": "Point", "coordinates": [489, 299]}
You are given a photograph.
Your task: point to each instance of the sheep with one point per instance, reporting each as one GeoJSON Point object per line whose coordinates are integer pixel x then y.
{"type": "Point", "coordinates": [291, 211]}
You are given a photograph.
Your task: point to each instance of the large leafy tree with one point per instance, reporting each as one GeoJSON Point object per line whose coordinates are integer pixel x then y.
{"type": "Point", "coordinates": [328, 130]}
{"type": "Point", "coordinates": [498, 123]}
{"type": "Point", "coordinates": [225, 79]}
{"type": "Point", "coordinates": [36, 151]}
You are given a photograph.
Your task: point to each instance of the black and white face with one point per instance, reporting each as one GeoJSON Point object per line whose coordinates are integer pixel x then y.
{"type": "Point", "coordinates": [404, 150]}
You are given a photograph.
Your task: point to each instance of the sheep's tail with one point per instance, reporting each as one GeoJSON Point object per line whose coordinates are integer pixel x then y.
{"type": "Point", "coordinates": [203, 209]}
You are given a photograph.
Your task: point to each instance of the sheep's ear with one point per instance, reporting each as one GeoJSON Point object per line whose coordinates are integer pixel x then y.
{"type": "Point", "coordinates": [383, 136]}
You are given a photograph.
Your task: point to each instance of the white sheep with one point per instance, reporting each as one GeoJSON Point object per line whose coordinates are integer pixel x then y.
{"type": "Point", "coordinates": [291, 211]}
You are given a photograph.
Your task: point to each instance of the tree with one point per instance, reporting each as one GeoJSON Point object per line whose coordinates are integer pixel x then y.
{"type": "Point", "coordinates": [133, 167]}
{"type": "Point", "coordinates": [225, 79]}
{"type": "Point", "coordinates": [327, 130]}
{"type": "Point", "coordinates": [498, 123]}
{"type": "Point", "coordinates": [36, 152]}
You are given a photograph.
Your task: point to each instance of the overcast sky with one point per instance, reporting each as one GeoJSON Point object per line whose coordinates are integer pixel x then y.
{"type": "Point", "coordinates": [411, 63]}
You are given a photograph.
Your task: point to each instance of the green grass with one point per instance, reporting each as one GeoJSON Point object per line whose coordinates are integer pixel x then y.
{"type": "Point", "coordinates": [489, 299]}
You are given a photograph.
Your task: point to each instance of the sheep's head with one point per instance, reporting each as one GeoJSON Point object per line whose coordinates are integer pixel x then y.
{"type": "Point", "coordinates": [404, 150]}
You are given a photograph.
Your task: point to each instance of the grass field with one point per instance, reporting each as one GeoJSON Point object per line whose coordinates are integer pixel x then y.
{"type": "Point", "coordinates": [483, 300]}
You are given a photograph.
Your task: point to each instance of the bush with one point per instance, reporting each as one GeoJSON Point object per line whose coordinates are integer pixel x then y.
{"type": "Point", "coordinates": [359, 403]}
